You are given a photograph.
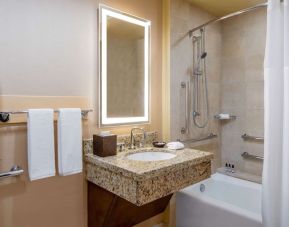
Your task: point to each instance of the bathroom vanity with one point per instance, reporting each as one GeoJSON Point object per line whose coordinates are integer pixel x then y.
{"type": "Point", "coordinates": [126, 189]}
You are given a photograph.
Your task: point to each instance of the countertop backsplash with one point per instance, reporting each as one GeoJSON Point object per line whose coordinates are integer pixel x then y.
{"type": "Point", "coordinates": [124, 139]}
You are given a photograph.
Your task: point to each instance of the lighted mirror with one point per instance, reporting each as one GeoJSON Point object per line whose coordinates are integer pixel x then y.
{"type": "Point", "coordinates": [124, 72]}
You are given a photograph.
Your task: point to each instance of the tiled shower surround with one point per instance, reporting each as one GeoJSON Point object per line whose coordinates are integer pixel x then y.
{"type": "Point", "coordinates": [242, 87]}
{"type": "Point", "coordinates": [185, 16]}
{"type": "Point", "coordinates": [235, 57]}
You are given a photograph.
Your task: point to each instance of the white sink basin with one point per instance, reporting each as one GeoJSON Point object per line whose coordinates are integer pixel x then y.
{"type": "Point", "coordinates": [151, 156]}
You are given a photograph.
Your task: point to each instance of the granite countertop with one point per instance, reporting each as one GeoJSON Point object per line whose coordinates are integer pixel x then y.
{"type": "Point", "coordinates": [141, 170]}
{"type": "Point", "coordinates": [141, 182]}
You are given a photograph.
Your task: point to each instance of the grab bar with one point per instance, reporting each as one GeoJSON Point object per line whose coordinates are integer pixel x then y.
{"type": "Point", "coordinates": [14, 171]}
{"type": "Point", "coordinates": [186, 129]}
{"type": "Point", "coordinates": [210, 136]}
{"type": "Point", "coordinates": [248, 137]}
{"type": "Point", "coordinates": [251, 156]}
{"type": "Point", "coordinates": [5, 116]}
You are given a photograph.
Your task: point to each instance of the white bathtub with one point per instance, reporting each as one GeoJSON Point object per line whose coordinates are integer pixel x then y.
{"type": "Point", "coordinates": [226, 202]}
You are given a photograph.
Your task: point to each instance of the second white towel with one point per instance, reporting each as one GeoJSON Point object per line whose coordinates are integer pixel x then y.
{"type": "Point", "coordinates": [69, 141]}
{"type": "Point", "coordinates": [41, 160]}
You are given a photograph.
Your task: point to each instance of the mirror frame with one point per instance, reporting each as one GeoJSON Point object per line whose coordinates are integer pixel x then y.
{"type": "Point", "coordinates": [104, 12]}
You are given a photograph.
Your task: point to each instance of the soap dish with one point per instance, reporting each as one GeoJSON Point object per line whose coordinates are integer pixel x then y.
{"type": "Point", "coordinates": [159, 144]}
{"type": "Point", "coordinates": [225, 116]}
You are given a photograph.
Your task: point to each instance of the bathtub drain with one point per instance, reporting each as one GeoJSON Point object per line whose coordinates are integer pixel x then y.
{"type": "Point", "coordinates": [202, 187]}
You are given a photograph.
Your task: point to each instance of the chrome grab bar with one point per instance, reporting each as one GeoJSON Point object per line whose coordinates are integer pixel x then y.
{"type": "Point", "coordinates": [5, 115]}
{"type": "Point", "coordinates": [210, 136]}
{"type": "Point", "coordinates": [250, 156]}
{"type": "Point", "coordinates": [248, 137]}
{"type": "Point", "coordinates": [14, 171]}
{"type": "Point", "coordinates": [186, 129]}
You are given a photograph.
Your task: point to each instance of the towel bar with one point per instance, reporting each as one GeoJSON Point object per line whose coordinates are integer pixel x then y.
{"type": "Point", "coordinates": [5, 116]}
{"type": "Point", "coordinates": [14, 171]}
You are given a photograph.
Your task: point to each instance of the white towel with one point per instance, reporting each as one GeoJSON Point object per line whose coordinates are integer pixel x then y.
{"type": "Point", "coordinates": [175, 145]}
{"type": "Point", "coordinates": [40, 135]}
{"type": "Point", "coordinates": [69, 141]}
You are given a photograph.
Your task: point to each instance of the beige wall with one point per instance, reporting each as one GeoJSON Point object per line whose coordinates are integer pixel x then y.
{"type": "Point", "coordinates": [184, 16]}
{"type": "Point", "coordinates": [55, 201]}
{"type": "Point", "coordinates": [242, 87]}
{"type": "Point", "coordinates": [49, 48]}
{"type": "Point", "coordinates": [54, 46]}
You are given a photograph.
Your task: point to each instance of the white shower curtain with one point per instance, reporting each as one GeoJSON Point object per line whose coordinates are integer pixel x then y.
{"type": "Point", "coordinates": [275, 207]}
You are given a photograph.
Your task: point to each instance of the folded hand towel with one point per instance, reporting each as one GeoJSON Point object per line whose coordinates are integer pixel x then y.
{"type": "Point", "coordinates": [175, 145]}
{"type": "Point", "coordinates": [69, 141]}
{"type": "Point", "coordinates": [224, 116]}
{"type": "Point", "coordinates": [40, 135]}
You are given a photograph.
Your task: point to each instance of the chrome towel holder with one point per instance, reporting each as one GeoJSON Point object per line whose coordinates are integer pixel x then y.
{"type": "Point", "coordinates": [5, 115]}
{"type": "Point", "coordinates": [4, 118]}
{"type": "Point", "coordinates": [14, 171]}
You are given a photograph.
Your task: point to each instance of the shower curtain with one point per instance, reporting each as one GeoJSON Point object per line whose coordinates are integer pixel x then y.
{"type": "Point", "coordinates": [275, 207]}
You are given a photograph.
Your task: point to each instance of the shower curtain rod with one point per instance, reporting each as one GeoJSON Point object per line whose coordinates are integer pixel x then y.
{"type": "Point", "coordinates": [228, 16]}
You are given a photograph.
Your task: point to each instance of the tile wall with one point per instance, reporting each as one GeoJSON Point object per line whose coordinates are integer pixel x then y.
{"type": "Point", "coordinates": [235, 81]}
{"type": "Point", "coordinates": [185, 16]}
{"type": "Point", "coordinates": [242, 87]}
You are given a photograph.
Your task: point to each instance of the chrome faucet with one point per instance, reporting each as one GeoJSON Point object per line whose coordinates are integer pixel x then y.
{"type": "Point", "coordinates": [132, 139]}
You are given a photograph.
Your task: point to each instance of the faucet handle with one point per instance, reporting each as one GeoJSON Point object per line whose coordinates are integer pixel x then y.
{"type": "Point", "coordinates": [121, 146]}
{"type": "Point", "coordinates": [141, 144]}
{"type": "Point", "coordinates": [145, 135]}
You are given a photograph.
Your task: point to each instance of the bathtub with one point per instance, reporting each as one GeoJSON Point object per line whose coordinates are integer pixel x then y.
{"type": "Point", "coordinates": [225, 202]}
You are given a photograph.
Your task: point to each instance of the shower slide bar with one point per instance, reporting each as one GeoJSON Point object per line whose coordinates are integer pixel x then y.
{"type": "Point", "coordinates": [5, 116]}
{"type": "Point", "coordinates": [227, 16]}
{"type": "Point", "coordinates": [186, 129]}
{"type": "Point", "coordinates": [210, 136]}
{"type": "Point", "coordinates": [248, 137]}
{"type": "Point", "coordinates": [14, 171]}
{"type": "Point", "coordinates": [251, 156]}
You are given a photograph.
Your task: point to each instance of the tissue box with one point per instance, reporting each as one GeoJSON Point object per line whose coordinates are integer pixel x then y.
{"type": "Point", "coordinates": [104, 146]}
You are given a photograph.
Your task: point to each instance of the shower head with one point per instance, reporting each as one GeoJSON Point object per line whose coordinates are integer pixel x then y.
{"type": "Point", "coordinates": [198, 71]}
{"type": "Point", "coordinates": [204, 54]}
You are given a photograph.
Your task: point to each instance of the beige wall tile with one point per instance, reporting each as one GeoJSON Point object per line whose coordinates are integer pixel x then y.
{"type": "Point", "coordinates": [233, 69]}
{"type": "Point", "coordinates": [243, 46]}
{"type": "Point", "coordinates": [235, 78]}
{"type": "Point", "coordinates": [254, 124]}
{"type": "Point", "coordinates": [184, 17]}
{"type": "Point", "coordinates": [254, 95]}
{"type": "Point", "coordinates": [233, 95]}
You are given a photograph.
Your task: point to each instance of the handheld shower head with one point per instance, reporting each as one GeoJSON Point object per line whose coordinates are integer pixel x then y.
{"type": "Point", "coordinates": [204, 54]}
{"type": "Point", "coordinates": [199, 72]}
